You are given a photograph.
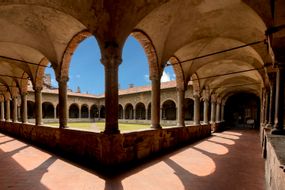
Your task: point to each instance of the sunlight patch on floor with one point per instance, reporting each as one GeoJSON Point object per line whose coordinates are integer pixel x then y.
{"type": "Point", "coordinates": [212, 147]}
{"type": "Point", "coordinates": [227, 136]}
{"type": "Point", "coordinates": [221, 140]}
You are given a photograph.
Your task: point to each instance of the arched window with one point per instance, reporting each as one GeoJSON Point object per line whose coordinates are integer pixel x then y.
{"type": "Point", "coordinates": [94, 112]}
{"type": "Point", "coordinates": [102, 112]}
{"type": "Point", "coordinates": [31, 109]}
{"type": "Point", "coordinates": [149, 111]}
{"type": "Point", "coordinates": [120, 112]}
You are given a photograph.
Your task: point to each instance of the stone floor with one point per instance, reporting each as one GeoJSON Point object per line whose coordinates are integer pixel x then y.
{"type": "Point", "coordinates": [229, 160]}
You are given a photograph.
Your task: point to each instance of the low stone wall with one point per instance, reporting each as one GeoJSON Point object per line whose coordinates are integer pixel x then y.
{"type": "Point", "coordinates": [275, 162]}
{"type": "Point", "coordinates": [218, 127]}
{"type": "Point", "coordinates": [107, 150]}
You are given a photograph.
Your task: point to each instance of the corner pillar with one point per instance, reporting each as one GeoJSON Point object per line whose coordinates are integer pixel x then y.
{"type": "Point", "coordinates": [111, 61]}
{"type": "Point", "coordinates": [155, 103]}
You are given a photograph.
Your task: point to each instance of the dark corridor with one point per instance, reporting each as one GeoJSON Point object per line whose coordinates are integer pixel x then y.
{"type": "Point", "coordinates": [243, 111]}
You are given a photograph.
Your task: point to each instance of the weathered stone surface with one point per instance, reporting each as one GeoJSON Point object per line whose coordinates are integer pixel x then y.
{"type": "Point", "coordinates": [275, 162]}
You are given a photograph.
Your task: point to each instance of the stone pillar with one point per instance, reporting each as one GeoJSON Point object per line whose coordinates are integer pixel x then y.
{"type": "Point", "coordinates": [134, 114]}
{"type": "Point", "coordinates": [15, 109]}
{"type": "Point", "coordinates": [271, 104]}
{"type": "Point", "coordinates": [38, 105]}
{"type": "Point", "coordinates": [196, 109]}
{"type": "Point", "coordinates": [213, 111]}
{"type": "Point", "coordinates": [146, 111]}
{"type": "Point", "coordinates": [266, 113]}
{"type": "Point", "coordinates": [2, 118]}
{"type": "Point", "coordinates": [218, 112]}
{"type": "Point", "coordinates": [8, 119]}
{"type": "Point", "coordinates": [155, 103]}
{"type": "Point", "coordinates": [111, 64]}
{"type": "Point", "coordinates": [62, 101]}
{"type": "Point", "coordinates": [79, 113]}
{"type": "Point", "coordinates": [206, 111]}
{"type": "Point", "coordinates": [279, 102]}
{"type": "Point", "coordinates": [54, 113]}
{"type": "Point", "coordinates": [181, 109]}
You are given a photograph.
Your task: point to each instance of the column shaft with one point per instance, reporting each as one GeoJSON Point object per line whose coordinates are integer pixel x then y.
{"type": "Point", "coordinates": [218, 112]}
{"type": "Point", "coordinates": [155, 103]}
{"type": "Point", "coordinates": [62, 102]}
{"type": "Point", "coordinates": [279, 102]}
{"type": "Point", "coordinates": [38, 105]}
{"type": "Point", "coordinates": [206, 111]}
{"type": "Point", "coordinates": [2, 118]}
{"type": "Point", "coordinates": [181, 109]}
{"type": "Point", "coordinates": [111, 65]}
{"type": "Point", "coordinates": [197, 110]}
{"type": "Point", "coordinates": [8, 119]}
{"type": "Point", "coordinates": [213, 112]}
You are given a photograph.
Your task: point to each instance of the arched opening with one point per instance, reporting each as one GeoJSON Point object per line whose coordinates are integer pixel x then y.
{"type": "Point", "coordinates": [31, 109]}
{"type": "Point", "coordinates": [140, 111]}
{"type": "Point", "coordinates": [102, 112]}
{"type": "Point", "coordinates": [94, 112]}
{"type": "Point", "coordinates": [48, 110]}
{"type": "Point", "coordinates": [120, 112]}
{"type": "Point", "coordinates": [149, 111]}
{"type": "Point", "coordinates": [169, 110]}
{"type": "Point", "coordinates": [242, 110]}
{"type": "Point", "coordinates": [73, 111]}
{"type": "Point", "coordinates": [129, 111]}
{"type": "Point", "coordinates": [189, 109]}
{"type": "Point", "coordinates": [84, 111]}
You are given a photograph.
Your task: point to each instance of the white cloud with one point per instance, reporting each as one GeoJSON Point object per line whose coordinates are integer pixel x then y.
{"type": "Point", "coordinates": [146, 77]}
{"type": "Point", "coordinates": [165, 77]}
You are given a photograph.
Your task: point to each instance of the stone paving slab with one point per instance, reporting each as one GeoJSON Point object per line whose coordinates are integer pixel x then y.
{"type": "Point", "coordinates": [228, 160]}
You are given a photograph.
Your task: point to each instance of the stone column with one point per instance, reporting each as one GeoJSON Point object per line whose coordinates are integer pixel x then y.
{"type": "Point", "coordinates": [15, 109]}
{"type": "Point", "coordinates": [266, 113]}
{"type": "Point", "coordinates": [2, 118]}
{"type": "Point", "coordinates": [279, 102]}
{"type": "Point", "coordinates": [134, 114]}
{"type": "Point", "coordinates": [111, 64]}
{"type": "Point", "coordinates": [8, 119]}
{"type": "Point", "coordinates": [155, 102]}
{"type": "Point", "coordinates": [213, 111]}
{"type": "Point", "coordinates": [62, 101]}
{"type": "Point", "coordinates": [79, 113]}
{"type": "Point", "coordinates": [206, 111]}
{"type": "Point", "coordinates": [271, 104]}
{"type": "Point", "coordinates": [54, 113]}
{"type": "Point", "coordinates": [124, 117]}
{"type": "Point", "coordinates": [38, 105]}
{"type": "Point", "coordinates": [196, 109]}
{"type": "Point", "coordinates": [180, 108]}
{"type": "Point", "coordinates": [218, 112]}
{"type": "Point", "coordinates": [146, 111]}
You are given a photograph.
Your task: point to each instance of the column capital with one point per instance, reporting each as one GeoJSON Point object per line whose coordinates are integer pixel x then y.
{"type": "Point", "coordinates": [38, 88]}
{"type": "Point", "coordinates": [111, 60]}
{"type": "Point", "coordinates": [62, 79]}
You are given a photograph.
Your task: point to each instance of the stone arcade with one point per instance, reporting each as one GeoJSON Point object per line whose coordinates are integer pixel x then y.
{"type": "Point", "coordinates": [221, 48]}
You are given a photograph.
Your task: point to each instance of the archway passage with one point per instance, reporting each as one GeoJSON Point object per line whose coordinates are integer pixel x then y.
{"type": "Point", "coordinates": [243, 111]}
{"type": "Point", "coordinates": [169, 110]}
{"type": "Point", "coordinates": [48, 110]}
{"type": "Point", "coordinates": [102, 112]}
{"type": "Point", "coordinates": [189, 109]}
{"type": "Point", "coordinates": [31, 109]}
{"type": "Point", "coordinates": [120, 112]}
{"type": "Point", "coordinates": [129, 112]}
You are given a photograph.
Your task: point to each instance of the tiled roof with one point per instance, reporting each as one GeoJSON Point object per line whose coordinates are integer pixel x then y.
{"type": "Point", "coordinates": [133, 90]}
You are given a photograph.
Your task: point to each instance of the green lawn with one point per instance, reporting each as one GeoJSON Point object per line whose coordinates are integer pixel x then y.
{"type": "Point", "coordinates": [100, 126]}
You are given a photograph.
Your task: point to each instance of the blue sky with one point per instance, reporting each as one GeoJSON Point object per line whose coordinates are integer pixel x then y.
{"type": "Point", "coordinates": [87, 72]}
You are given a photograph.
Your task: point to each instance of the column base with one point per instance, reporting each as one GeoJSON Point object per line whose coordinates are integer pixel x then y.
{"type": "Point", "coordinates": [277, 132]}
{"type": "Point", "coordinates": [180, 125]}
{"type": "Point", "coordinates": [155, 126]}
{"type": "Point", "coordinates": [110, 132]}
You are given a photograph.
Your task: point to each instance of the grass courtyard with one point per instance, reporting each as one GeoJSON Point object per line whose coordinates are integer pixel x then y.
{"type": "Point", "coordinates": [99, 126]}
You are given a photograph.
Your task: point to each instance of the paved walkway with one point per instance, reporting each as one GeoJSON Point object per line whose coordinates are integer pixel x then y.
{"type": "Point", "coordinates": [228, 160]}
